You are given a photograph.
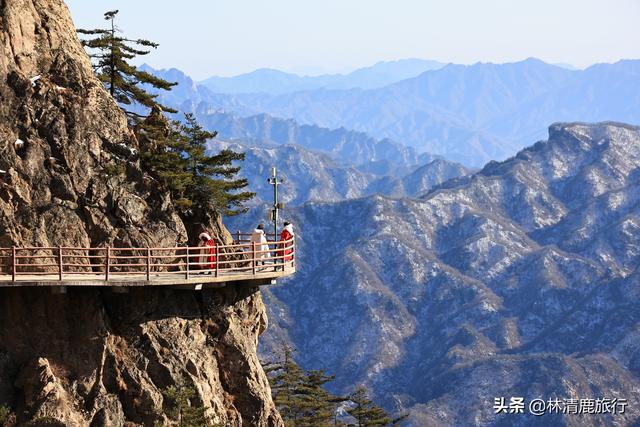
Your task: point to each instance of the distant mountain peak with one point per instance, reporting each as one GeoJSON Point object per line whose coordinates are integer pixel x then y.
{"type": "Point", "coordinates": [591, 133]}
{"type": "Point", "coordinates": [272, 81]}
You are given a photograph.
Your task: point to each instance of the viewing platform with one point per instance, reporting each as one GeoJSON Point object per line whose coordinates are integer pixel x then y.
{"type": "Point", "coordinates": [188, 267]}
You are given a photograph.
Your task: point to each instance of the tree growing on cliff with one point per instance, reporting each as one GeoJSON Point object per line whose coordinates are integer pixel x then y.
{"type": "Point", "coordinates": [213, 178]}
{"type": "Point", "coordinates": [318, 405]}
{"type": "Point", "coordinates": [111, 54]}
{"type": "Point", "coordinates": [284, 378]}
{"type": "Point", "coordinates": [175, 153]}
{"type": "Point", "coordinates": [161, 152]}
{"type": "Point", "coordinates": [302, 400]}
{"type": "Point", "coordinates": [180, 407]}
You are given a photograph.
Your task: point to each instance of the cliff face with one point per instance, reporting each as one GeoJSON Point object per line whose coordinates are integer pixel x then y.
{"type": "Point", "coordinates": [69, 175]}
{"type": "Point", "coordinates": [99, 358]}
{"type": "Point", "coordinates": [75, 178]}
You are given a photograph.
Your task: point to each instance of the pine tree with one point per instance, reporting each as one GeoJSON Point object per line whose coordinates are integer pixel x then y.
{"type": "Point", "coordinates": [162, 151]}
{"type": "Point", "coordinates": [179, 406]}
{"type": "Point", "coordinates": [214, 183]}
{"type": "Point", "coordinates": [112, 54]}
{"type": "Point", "coordinates": [302, 400]}
{"type": "Point", "coordinates": [300, 396]}
{"type": "Point", "coordinates": [287, 376]}
{"type": "Point", "coordinates": [175, 153]}
{"type": "Point", "coordinates": [366, 413]}
{"type": "Point", "coordinates": [317, 405]}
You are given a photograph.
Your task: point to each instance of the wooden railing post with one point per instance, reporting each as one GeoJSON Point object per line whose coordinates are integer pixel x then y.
{"type": "Point", "coordinates": [217, 260]}
{"type": "Point", "coordinates": [238, 236]}
{"type": "Point", "coordinates": [60, 262]}
{"type": "Point", "coordinates": [188, 262]}
{"type": "Point", "coordinates": [106, 264]}
{"type": "Point", "coordinates": [148, 264]}
{"type": "Point", "coordinates": [253, 256]}
{"type": "Point", "coordinates": [13, 264]}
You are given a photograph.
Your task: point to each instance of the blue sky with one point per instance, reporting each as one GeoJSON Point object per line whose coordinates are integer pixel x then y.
{"type": "Point", "coordinates": [228, 37]}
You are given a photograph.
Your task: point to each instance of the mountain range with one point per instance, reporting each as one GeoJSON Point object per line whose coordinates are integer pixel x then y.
{"type": "Point", "coordinates": [277, 82]}
{"type": "Point", "coordinates": [469, 114]}
{"type": "Point", "coordinates": [316, 176]}
{"type": "Point", "coordinates": [345, 147]}
{"type": "Point", "coordinates": [517, 280]}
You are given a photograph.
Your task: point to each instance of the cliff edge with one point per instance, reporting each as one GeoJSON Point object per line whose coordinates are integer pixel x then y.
{"type": "Point", "coordinates": [70, 175]}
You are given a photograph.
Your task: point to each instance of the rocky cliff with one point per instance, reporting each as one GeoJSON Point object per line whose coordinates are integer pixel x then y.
{"type": "Point", "coordinates": [93, 357]}
{"type": "Point", "coordinates": [70, 175]}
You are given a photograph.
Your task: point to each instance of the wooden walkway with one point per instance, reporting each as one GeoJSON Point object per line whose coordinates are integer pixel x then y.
{"type": "Point", "coordinates": [191, 267]}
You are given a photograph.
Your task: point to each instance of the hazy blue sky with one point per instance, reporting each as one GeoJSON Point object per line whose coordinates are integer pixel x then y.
{"type": "Point", "coordinates": [227, 37]}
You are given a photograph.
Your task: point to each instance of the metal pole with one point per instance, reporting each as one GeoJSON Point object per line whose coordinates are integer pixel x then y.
{"type": "Point", "coordinates": [276, 207]}
{"type": "Point", "coordinates": [275, 213]}
{"type": "Point", "coordinates": [60, 262]}
{"type": "Point", "coordinates": [275, 204]}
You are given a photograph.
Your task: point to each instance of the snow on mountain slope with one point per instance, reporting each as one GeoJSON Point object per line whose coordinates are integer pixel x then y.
{"type": "Point", "coordinates": [519, 280]}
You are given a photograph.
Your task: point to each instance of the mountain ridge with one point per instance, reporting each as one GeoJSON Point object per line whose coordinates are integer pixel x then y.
{"type": "Point", "coordinates": [500, 285]}
{"type": "Point", "coordinates": [470, 114]}
{"type": "Point", "coordinates": [272, 81]}
{"type": "Point", "coordinates": [312, 175]}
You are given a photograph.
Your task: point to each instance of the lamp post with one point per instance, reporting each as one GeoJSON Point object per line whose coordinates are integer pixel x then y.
{"type": "Point", "coordinates": [275, 181]}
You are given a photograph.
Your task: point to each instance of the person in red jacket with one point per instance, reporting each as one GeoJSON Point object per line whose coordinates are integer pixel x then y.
{"type": "Point", "coordinates": [208, 258]}
{"type": "Point", "coordinates": [286, 248]}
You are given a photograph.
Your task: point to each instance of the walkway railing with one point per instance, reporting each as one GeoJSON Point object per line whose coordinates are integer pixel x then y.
{"type": "Point", "coordinates": [107, 263]}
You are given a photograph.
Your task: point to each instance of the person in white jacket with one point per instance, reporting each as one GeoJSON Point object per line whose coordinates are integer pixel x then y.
{"type": "Point", "coordinates": [262, 248]}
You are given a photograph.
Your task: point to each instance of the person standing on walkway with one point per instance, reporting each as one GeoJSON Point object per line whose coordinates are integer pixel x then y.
{"type": "Point", "coordinates": [259, 242]}
{"type": "Point", "coordinates": [208, 259]}
{"type": "Point", "coordinates": [286, 247]}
